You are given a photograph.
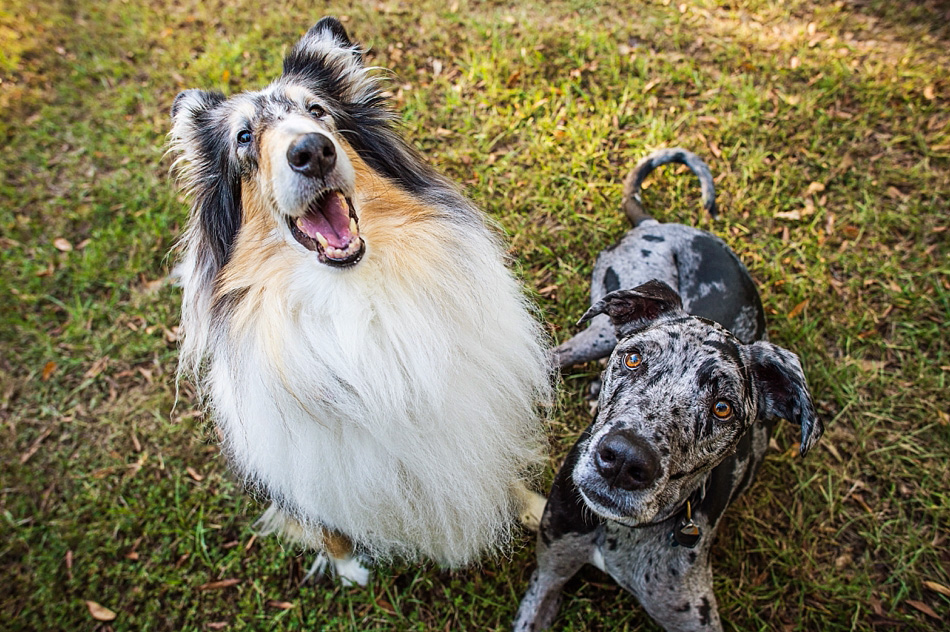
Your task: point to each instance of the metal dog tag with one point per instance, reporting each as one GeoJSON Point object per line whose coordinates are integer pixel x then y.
{"type": "Point", "coordinates": [687, 533]}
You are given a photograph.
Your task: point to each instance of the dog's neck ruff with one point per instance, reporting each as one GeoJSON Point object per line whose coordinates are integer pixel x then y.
{"type": "Point", "coordinates": [395, 401]}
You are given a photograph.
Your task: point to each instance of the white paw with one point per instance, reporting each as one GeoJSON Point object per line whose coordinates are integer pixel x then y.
{"type": "Point", "coordinates": [531, 510]}
{"type": "Point", "coordinates": [351, 571]}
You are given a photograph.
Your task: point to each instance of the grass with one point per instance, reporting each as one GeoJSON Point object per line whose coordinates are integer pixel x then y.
{"type": "Point", "coordinates": [828, 127]}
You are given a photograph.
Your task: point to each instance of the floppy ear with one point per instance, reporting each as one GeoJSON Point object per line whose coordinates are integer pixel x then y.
{"type": "Point", "coordinates": [200, 140]}
{"type": "Point", "coordinates": [630, 310]}
{"type": "Point", "coordinates": [782, 390]}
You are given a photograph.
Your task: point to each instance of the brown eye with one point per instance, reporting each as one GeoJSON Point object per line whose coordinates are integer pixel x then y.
{"type": "Point", "coordinates": [632, 360]}
{"type": "Point", "coordinates": [316, 111]}
{"type": "Point", "coordinates": [722, 409]}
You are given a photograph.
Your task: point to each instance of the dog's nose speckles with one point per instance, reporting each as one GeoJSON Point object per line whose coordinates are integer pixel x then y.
{"type": "Point", "coordinates": [312, 155]}
{"type": "Point", "coordinates": [625, 461]}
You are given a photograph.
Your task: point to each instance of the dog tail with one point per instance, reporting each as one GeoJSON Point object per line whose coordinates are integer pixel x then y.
{"type": "Point", "coordinates": [633, 205]}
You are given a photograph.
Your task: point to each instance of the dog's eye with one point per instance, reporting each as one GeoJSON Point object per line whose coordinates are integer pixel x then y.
{"type": "Point", "coordinates": [722, 409]}
{"type": "Point", "coordinates": [316, 110]}
{"type": "Point", "coordinates": [632, 360]}
{"type": "Point", "coordinates": [244, 137]}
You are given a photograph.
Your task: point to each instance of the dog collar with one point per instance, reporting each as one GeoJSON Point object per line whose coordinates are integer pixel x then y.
{"type": "Point", "coordinates": [685, 532]}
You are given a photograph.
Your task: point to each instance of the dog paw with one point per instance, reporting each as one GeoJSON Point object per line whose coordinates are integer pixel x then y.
{"type": "Point", "coordinates": [531, 510]}
{"type": "Point", "coordinates": [349, 570]}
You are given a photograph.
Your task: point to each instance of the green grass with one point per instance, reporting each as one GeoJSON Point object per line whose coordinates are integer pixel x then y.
{"type": "Point", "coordinates": [829, 129]}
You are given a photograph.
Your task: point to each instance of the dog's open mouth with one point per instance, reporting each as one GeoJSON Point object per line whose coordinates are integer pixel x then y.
{"type": "Point", "coordinates": [329, 228]}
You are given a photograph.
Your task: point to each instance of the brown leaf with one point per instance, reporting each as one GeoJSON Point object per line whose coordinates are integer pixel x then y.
{"type": "Point", "coordinates": [938, 588]}
{"type": "Point", "coordinates": [798, 309]}
{"type": "Point", "coordinates": [814, 187]}
{"type": "Point", "coordinates": [793, 215]}
{"type": "Point", "coordinates": [100, 612]}
{"type": "Point", "coordinates": [876, 607]}
{"type": "Point", "coordinates": [48, 369]}
{"type": "Point", "coordinates": [919, 605]}
{"type": "Point", "coordinates": [872, 366]}
{"type": "Point", "coordinates": [283, 605]}
{"type": "Point", "coordinates": [714, 148]}
{"type": "Point", "coordinates": [96, 367]}
{"type": "Point", "coordinates": [929, 93]}
{"type": "Point", "coordinates": [198, 477]}
{"type": "Point", "coordinates": [62, 244]}
{"type": "Point", "coordinates": [224, 583]}
{"type": "Point", "coordinates": [217, 625]}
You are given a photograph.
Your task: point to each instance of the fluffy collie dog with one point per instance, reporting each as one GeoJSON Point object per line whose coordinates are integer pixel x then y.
{"type": "Point", "coordinates": [373, 367]}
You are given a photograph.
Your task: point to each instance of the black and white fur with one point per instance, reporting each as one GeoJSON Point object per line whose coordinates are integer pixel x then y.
{"type": "Point", "coordinates": [373, 366]}
{"type": "Point", "coordinates": [685, 411]}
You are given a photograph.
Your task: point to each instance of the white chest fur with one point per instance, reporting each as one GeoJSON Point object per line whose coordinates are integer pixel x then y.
{"type": "Point", "coordinates": [395, 401]}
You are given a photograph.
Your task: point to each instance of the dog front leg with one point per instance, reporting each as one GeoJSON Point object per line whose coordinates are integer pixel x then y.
{"type": "Point", "coordinates": [594, 343]}
{"type": "Point", "coordinates": [332, 547]}
{"type": "Point", "coordinates": [557, 563]}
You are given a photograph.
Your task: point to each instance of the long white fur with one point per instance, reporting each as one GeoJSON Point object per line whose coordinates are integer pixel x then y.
{"type": "Point", "coordinates": [398, 409]}
{"type": "Point", "coordinates": [396, 402]}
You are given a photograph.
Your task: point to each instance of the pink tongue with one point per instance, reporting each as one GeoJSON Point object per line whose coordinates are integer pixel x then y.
{"type": "Point", "coordinates": [331, 219]}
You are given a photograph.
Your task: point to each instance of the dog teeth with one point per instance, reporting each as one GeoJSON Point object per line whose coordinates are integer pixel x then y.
{"type": "Point", "coordinates": [353, 228]}
{"type": "Point", "coordinates": [323, 242]}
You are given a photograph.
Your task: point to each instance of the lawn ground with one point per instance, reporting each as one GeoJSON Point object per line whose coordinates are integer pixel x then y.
{"type": "Point", "coordinates": [827, 125]}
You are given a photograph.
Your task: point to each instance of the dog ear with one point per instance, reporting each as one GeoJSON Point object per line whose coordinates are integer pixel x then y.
{"type": "Point", "coordinates": [782, 390]}
{"type": "Point", "coordinates": [632, 309]}
{"type": "Point", "coordinates": [190, 102]}
{"type": "Point", "coordinates": [325, 43]}
{"type": "Point", "coordinates": [332, 27]}
{"type": "Point", "coordinates": [199, 139]}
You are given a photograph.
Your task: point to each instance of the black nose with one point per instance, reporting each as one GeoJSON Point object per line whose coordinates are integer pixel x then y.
{"type": "Point", "coordinates": [312, 155]}
{"type": "Point", "coordinates": [625, 461]}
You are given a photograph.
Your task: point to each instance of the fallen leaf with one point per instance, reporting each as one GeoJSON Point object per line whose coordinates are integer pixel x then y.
{"type": "Point", "coordinates": [938, 588]}
{"type": "Point", "coordinates": [224, 583]}
{"type": "Point", "coordinates": [62, 244]}
{"type": "Point", "coordinates": [798, 309]}
{"type": "Point", "coordinates": [217, 625]}
{"type": "Point", "coordinates": [895, 194]}
{"type": "Point", "coordinates": [919, 605]}
{"type": "Point", "coordinates": [793, 215]}
{"type": "Point", "coordinates": [100, 612]}
{"type": "Point", "coordinates": [814, 187]}
{"type": "Point", "coordinates": [195, 475]}
{"type": "Point", "coordinates": [876, 607]}
{"type": "Point", "coordinates": [930, 93]}
{"type": "Point", "coordinates": [872, 366]}
{"type": "Point", "coordinates": [714, 148]}
{"type": "Point", "coordinates": [48, 369]}
{"type": "Point", "coordinates": [283, 605]}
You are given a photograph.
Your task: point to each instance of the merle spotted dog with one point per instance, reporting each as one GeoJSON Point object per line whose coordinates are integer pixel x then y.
{"type": "Point", "coordinates": [685, 409]}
